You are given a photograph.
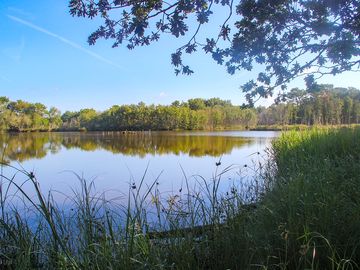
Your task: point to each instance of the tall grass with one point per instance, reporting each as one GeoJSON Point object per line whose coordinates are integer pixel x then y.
{"type": "Point", "coordinates": [315, 197]}
{"type": "Point", "coordinates": [300, 212]}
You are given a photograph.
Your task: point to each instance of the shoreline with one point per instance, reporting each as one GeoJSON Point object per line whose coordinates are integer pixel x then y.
{"type": "Point", "coordinates": [256, 128]}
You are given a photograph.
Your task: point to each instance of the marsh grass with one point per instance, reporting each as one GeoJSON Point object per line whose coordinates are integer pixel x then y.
{"type": "Point", "coordinates": [89, 231]}
{"type": "Point", "coordinates": [300, 211]}
{"type": "Point", "coordinates": [302, 127]}
{"type": "Point", "coordinates": [311, 213]}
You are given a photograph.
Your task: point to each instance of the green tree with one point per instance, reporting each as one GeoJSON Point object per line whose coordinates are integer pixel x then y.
{"type": "Point", "coordinates": [328, 105]}
{"type": "Point", "coordinates": [176, 103]}
{"type": "Point", "coordinates": [87, 117]}
{"type": "Point", "coordinates": [356, 112]}
{"type": "Point", "coordinates": [70, 120]}
{"type": "Point", "coordinates": [347, 109]}
{"type": "Point", "coordinates": [196, 104]}
{"type": "Point", "coordinates": [4, 113]}
{"type": "Point", "coordinates": [54, 116]}
{"type": "Point", "coordinates": [212, 102]}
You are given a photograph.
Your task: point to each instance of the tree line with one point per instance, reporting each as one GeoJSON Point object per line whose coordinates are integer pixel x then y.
{"type": "Point", "coordinates": [324, 105]}
{"type": "Point", "coordinates": [193, 114]}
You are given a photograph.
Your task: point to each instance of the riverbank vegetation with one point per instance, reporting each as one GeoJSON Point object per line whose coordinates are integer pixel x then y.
{"type": "Point", "coordinates": [324, 105]}
{"type": "Point", "coordinates": [300, 212]}
{"type": "Point", "coordinates": [195, 114]}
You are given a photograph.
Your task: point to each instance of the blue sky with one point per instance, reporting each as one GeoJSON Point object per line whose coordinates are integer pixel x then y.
{"type": "Point", "coordinates": [44, 57]}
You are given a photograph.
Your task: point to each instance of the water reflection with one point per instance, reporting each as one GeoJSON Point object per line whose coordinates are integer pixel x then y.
{"type": "Point", "coordinates": [115, 160]}
{"type": "Point", "coordinates": [26, 146]}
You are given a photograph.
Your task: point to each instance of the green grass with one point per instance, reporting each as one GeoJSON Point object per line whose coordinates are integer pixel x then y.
{"type": "Point", "coordinates": [301, 212]}
{"type": "Point", "coordinates": [300, 127]}
{"type": "Point", "coordinates": [314, 200]}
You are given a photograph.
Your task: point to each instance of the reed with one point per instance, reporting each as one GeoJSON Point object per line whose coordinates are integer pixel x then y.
{"type": "Point", "coordinates": [300, 211]}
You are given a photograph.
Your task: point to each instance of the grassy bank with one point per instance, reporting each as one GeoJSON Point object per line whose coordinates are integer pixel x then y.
{"type": "Point", "coordinates": [253, 127]}
{"type": "Point", "coordinates": [302, 212]}
{"type": "Point", "coordinates": [311, 215]}
{"type": "Point", "coordinates": [298, 127]}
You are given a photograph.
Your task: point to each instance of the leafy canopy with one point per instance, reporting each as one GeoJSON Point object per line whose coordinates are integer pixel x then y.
{"type": "Point", "coordinates": [284, 38]}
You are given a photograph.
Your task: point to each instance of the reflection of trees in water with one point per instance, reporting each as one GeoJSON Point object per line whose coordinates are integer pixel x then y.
{"type": "Point", "coordinates": [141, 144]}
{"type": "Point", "coordinates": [25, 146]}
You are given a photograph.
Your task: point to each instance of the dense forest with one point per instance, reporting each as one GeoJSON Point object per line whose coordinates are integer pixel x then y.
{"type": "Point", "coordinates": [194, 114]}
{"type": "Point", "coordinates": [325, 105]}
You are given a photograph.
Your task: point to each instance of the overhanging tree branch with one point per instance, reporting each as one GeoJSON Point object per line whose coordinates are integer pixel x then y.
{"type": "Point", "coordinates": [285, 37]}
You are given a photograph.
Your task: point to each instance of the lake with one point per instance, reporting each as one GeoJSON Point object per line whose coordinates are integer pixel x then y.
{"type": "Point", "coordinates": [116, 161]}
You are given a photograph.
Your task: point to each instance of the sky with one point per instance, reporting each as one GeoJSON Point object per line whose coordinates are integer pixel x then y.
{"type": "Point", "coordinates": [44, 57]}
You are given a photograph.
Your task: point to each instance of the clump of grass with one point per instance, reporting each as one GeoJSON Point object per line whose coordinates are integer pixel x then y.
{"type": "Point", "coordinates": [302, 213]}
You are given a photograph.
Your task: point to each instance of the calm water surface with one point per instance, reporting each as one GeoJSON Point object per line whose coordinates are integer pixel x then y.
{"type": "Point", "coordinates": [115, 160]}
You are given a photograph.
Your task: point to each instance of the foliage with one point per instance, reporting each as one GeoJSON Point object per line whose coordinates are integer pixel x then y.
{"type": "Point", "coordinates": [25, 116]}
{"type": "Point", "coordinates": [194, 114]}
{"type": "Point", "coordinates": [286, 38]}
{"type": "Point", "coordinates": [212, 113]}
{"type": "Point", "coordinates": [324, 105]}
{"type": "Point", "coordinates": [327, 106]}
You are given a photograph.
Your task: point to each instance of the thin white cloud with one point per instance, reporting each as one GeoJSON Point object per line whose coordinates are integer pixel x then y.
{"type": "Point", "coordinates": [64, 40]}
{"type": "Point", "coordinates": [162, 94]}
